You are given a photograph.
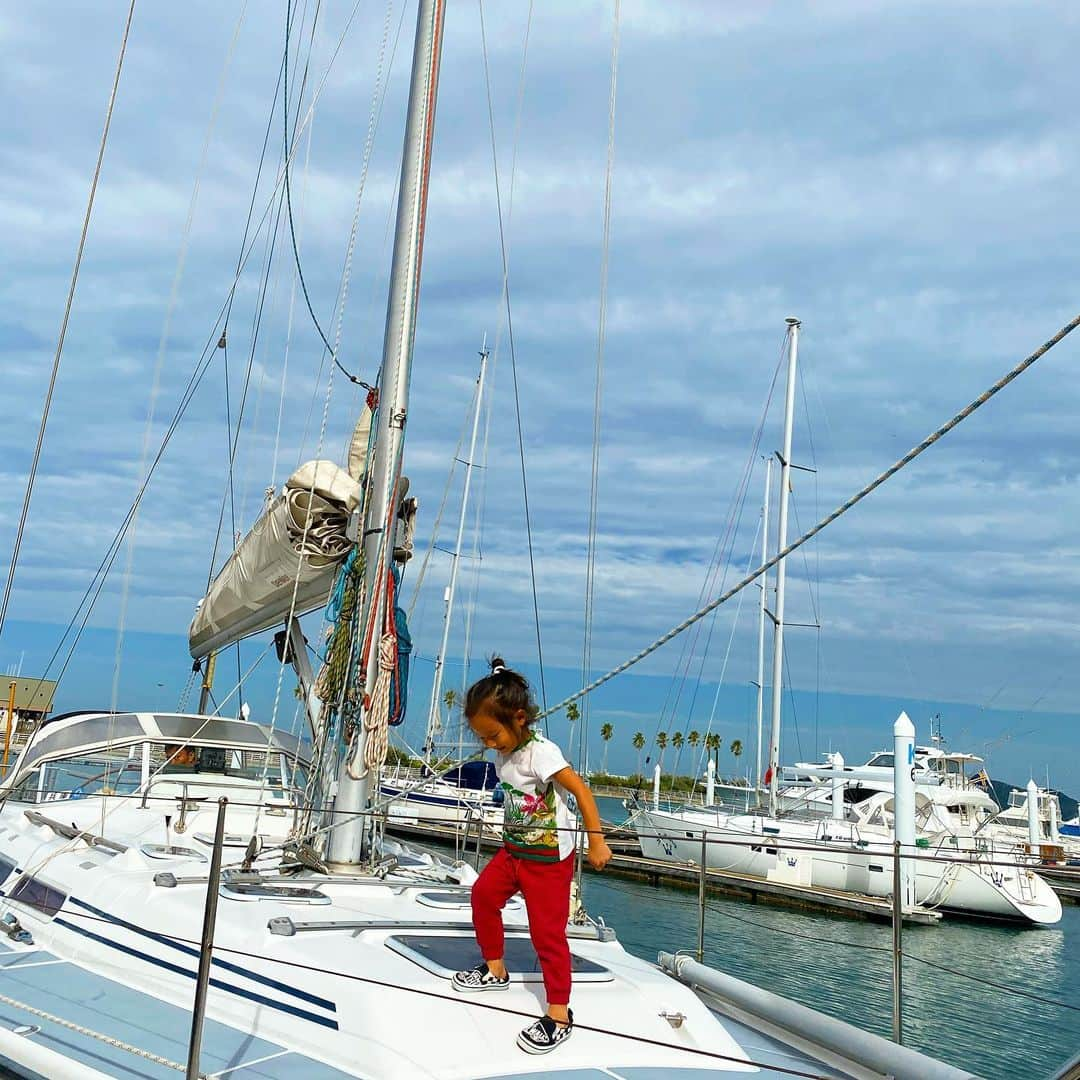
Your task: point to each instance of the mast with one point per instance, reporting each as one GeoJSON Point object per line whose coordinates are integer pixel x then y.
{"type": "Point", "coordinates": [434, 723]}
{"type": "Point", "coordinates": [763, 585]}
{"type": "Point", "coordinates": [781, 543]}
{"type": "Point", "coordinates": [348, 838]}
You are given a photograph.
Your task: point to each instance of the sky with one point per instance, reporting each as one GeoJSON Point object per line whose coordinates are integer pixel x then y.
{"type": "Point", "coordinates": [900, 176]}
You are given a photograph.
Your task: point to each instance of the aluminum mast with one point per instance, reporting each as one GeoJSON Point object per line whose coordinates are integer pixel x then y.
{"type": "Point", "coordinates": [763, 585]}
{"type": "Point", "coordinates": [348, 838]}
{"type": "Point", "coordinates": [781, 543]}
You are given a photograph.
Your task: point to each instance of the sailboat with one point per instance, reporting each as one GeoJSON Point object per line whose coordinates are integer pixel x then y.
{"type": "Point", "coordinates": [851, 850]}
{"type": "Point", "coordinates": [465, 795]}
{"type": "Point", "coordinates": [231, 909]}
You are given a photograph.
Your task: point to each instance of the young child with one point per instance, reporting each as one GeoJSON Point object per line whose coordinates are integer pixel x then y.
{"type": "Point", "coordinates": [537, 856]}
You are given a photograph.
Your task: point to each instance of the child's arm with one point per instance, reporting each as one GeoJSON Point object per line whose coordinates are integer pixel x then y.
{"type": "Point", "coordinates": [599, 853]}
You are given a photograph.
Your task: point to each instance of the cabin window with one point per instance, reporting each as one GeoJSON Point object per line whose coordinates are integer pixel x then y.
{"type": "Point", "coordinates": [27, 791]}
{"type": "Point", "coordinates": [37, 894]}
{"type": "Point", "coordinates": [6, 866]}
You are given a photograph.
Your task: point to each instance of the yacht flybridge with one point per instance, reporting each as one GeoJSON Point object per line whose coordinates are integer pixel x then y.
{"type": "Point", "coordinates": [317, 972]}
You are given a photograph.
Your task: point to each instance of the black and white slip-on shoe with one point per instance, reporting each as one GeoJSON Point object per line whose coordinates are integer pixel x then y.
{"type": "Point", "coordinates": [543, 1036]}
{"type": "Point", "coordinates": [479, 978]}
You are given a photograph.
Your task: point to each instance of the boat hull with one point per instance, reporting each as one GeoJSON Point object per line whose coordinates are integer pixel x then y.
{"type": "Point", "coordinates": [840, 858]}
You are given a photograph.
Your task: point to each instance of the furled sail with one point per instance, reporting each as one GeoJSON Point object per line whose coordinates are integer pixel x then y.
{"type": "Point", "coordinates": [298, 544]}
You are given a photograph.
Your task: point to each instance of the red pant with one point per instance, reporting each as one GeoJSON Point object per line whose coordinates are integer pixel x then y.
{"type": "Point", "coordinates": [546, 888]}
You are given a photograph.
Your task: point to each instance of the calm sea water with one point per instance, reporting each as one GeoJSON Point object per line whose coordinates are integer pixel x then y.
{"type": "Point", "coordinates": [824, 962]}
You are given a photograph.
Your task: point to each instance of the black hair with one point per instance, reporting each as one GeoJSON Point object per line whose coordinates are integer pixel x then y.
{"type": "Point", "coordinates": [502, 693]}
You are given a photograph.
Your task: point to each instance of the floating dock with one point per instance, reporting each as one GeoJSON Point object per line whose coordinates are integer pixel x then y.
{"type": "Point", "coordinates": [627, 861]}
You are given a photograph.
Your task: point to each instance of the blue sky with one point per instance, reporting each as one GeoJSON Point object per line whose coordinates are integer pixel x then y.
{"type": "Point", "coordinates": [900, 176]}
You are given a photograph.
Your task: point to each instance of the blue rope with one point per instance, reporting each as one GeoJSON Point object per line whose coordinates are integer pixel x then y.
{"type": "Point", "coordinates": [337, 597]}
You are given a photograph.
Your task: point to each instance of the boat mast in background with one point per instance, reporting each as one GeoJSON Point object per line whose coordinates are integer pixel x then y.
{"type": "Point", "coordinates": [348, 840]}
{"type": "Point", "coordinates": [434, 722]}
{"type": "Point", "coordinates": [781, 543]}
{"type": "Point", "coordinates": [763, 585]}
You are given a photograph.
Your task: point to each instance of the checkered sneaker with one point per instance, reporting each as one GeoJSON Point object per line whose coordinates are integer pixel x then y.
{"type": "Point", "coordinates": [543, 1036]}
{"type": "Point", "coordinates": [479, 978]}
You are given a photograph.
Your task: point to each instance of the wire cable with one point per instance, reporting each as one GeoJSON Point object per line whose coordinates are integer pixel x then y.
{"type": "Point", "coordinates": [910, 456]}
{"type": "Point", "coordinates": [513, 351]}
{"type": "Point", "coordinates": [24, 513]}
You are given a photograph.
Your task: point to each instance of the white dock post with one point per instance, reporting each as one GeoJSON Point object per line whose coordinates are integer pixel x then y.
{"type": "Point", "coordinates": [904, 804]}
{"type": "Point", "coordinates": [1033, 816]}
{"type": "Point", "coordinates": [838, 789]}
{"type": "Point", "coordinates": [656, 787]}
{"type": "Point", "coordinates": [710, 783]}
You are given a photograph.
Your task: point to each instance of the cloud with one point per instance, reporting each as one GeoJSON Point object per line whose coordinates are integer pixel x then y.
{"type": "Point", "coordinates": [823, 162]}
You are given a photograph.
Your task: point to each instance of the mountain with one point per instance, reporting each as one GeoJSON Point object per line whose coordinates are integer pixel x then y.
{"type": "Point", "coordinates": [1001, 789]}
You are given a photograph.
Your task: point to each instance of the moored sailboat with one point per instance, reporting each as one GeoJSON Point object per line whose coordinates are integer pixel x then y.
{"type": "Point", "coordinates": [321, 949]}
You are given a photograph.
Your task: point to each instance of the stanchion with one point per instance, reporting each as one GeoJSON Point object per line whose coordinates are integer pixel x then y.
{"type": "Point", "coordinates": [701, 902]}
{"type": "Point", "coordinates": [898, 955]}
{"type": "Point", "coordinates": [202, 981]}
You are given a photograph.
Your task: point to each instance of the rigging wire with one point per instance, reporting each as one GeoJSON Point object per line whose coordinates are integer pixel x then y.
{"type": "Point", "coordinates": [24, 513]}
{"type": "Point", "coordinates": [718, 564]}
{"type": "Point", "coordinates": [702, 756]}
{"type": "Point", "coordinates": [861, 494]}
{"type": "Point", "coordinates": [431, 547]}
{"type": "Point", "coordinates": [245, 251]}
{"type": "Point", "coordinates": [97, 581]}
{"type": "Point", "coordinates": [601, 336]}
{"type": "Point", "coordinates": [170, 308]}
{"type": "Point", "coordinates": [509, 319]}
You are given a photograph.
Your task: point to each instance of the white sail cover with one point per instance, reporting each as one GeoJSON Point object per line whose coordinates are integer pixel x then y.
{"type": "Point", "coordinates": [300, 541]}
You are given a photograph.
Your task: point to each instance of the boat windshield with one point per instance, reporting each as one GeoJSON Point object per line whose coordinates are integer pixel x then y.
{"type": "Point", "coordinates": [121, 773]}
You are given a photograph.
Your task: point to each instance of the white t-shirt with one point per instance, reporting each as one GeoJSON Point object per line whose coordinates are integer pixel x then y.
{"type": "Point", "coordinates": [536, 818]}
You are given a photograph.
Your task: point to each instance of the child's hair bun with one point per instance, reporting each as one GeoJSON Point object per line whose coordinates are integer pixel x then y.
{"type": "Point", "coordinates": [503, 692]}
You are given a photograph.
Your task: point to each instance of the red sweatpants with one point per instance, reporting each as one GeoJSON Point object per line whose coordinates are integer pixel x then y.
{"type": "Point", "coordinates": [546, 888]}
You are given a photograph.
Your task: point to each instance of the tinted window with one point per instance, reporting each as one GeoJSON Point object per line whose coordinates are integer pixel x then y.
{"type": "Point", "coordinates": [37, 894]}
{"type": "Point", "coordinates": [6, 866]}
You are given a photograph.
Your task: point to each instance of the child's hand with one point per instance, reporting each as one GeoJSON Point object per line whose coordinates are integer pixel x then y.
{"type": "Point", "coordinates": [599, 853]}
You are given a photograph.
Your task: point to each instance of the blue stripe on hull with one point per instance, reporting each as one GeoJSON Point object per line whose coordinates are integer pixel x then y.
{"type": "Point", "coordinates": [226, 965]}
{"type": "Point", "coordinates": [140, 1019]}
{"type": "Point", "coordinates": [239, 991]}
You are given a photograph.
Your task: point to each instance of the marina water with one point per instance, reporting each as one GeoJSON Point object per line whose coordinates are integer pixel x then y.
{"type": "Point", "coordinates": [843, 967]}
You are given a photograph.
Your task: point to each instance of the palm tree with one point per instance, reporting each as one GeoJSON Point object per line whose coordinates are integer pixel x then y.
{"type": "Point", "coordinates": [573, 712]}
{"type": "Point", "coordinates": [661, 742]}
{"type": "Point", "coordinates": [606, 732]}
{"type": "Point", "coordinates": [736, 752]}
{"type": "Point", "coordinates": [450, 700]}
{"type": "Point", "coordinates": [712, 743]}
{"type": "Point", "coordinates": [693, 739]}
{"type": "Point", "coordinates": [677, 741]}
{"type": "Point", "coordinates": [639, 745]}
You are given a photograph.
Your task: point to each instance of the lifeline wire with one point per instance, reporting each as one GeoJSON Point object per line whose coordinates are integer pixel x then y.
{"type": "Point", "coordinates": [910, 456]}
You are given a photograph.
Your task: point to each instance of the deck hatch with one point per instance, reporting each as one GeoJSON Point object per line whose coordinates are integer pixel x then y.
{"type": "Point", "coordinates": [445, 954]}
{"type": "Point", "coordinates": [36, 894]}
